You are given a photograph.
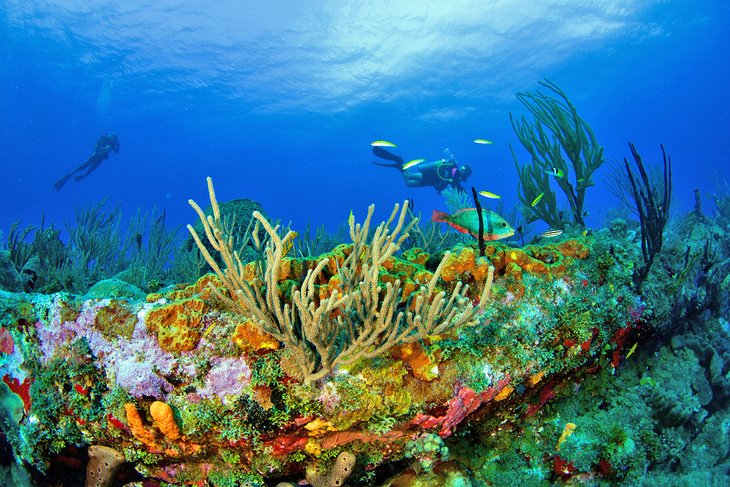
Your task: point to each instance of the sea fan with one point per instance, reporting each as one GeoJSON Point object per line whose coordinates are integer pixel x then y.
{"type": "Point", "coordinates": [456, 199]}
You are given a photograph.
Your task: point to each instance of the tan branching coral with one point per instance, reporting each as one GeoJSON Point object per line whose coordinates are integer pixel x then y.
{"type": "Point", "coordinates": [361, 318]}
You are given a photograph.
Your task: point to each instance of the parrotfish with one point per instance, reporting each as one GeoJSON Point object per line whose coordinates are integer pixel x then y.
{"type": "Point", "coordinates": [467, 221]}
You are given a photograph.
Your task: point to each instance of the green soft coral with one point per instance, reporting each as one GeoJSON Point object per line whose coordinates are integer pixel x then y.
{"type": "Point", "coordinates": [557, 139]}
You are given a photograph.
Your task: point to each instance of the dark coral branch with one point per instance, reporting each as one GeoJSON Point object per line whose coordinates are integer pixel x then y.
{"type": "Point", "coordinates": [652, 199]}
{"type": "Point", "coordinates": [478, 206]}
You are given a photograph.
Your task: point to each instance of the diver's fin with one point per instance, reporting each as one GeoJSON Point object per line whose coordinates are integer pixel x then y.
{"type": "Point", "coordinates": [387, 155]}
{"type": "Point", "coordinates": [59, 184]}
{"type": "Point", "coordinates": [388, 164]}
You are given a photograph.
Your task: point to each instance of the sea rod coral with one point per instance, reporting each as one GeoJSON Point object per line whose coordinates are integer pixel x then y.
{"type": "Point", "coordinates": [365, 325]}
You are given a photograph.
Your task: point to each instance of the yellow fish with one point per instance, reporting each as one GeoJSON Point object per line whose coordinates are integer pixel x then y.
{"type": "Point", "coordinates": [537, 199]}
{"type": "Point", "coordinates": [569, 428]}
{"type": "Point", "coordinates": [551, 233]}
{"type": "Point", "coordinates": [288, 244]}
{"type": "Point", "coordinates": [412, 163]}
{"type": "Point", "coordinates": [482, 141]}
{"type": "Point", "coordinates": [488, 194]}
{"type": "Point", "coordinates": [632, 350]}
{"type": "Point", "coordinates": [382, 143]}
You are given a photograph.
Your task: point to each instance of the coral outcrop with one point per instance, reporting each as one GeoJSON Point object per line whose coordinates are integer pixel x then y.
{"type": "Point", "coordinates": [188, 390]}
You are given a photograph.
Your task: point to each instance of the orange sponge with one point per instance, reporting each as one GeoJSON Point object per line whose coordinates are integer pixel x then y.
{"type": "Point", "coordinates": [165, 419]}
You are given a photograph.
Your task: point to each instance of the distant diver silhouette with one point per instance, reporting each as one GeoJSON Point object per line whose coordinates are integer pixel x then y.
{"type": "Point", "coordinates": [104, 146]}
{"type": "Point", "coordinates": [439, 174]}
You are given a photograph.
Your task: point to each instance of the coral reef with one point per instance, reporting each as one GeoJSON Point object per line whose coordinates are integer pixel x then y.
{"type": "Point", "coordinates": [189, 387]}
{"type": "Point", "coordinates": [549, 366]}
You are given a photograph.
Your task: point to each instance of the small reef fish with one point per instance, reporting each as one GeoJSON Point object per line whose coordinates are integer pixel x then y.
{"type": "Point", "coordinates": [467, 221]}
{"type": "Point", "coordinates": [554, 171]}
{"type": "Point", "coordinates": [551, 233]}
{"type": "Point", "coordinates": [382, 143]}
{"type": "Point", "coordinates": [632, 350]}
{"type": "Point", "coordinates": [569, 429]}
{"type": "Point", "coordinates": [489, 194]}
{"type": "Point", "coordinates": [209, 329]}
{"type": "Point", "coordinates": [482, 141]}
{"type": "Point", "coordinates": [412, 163]}
{"type": "Point", "coordinates": [537, 199]}
{"type": "Point", "coordinates": [289, 244]}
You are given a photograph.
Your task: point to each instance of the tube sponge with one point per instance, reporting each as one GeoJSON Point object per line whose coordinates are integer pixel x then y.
{"type": "Point", "coordinates": [165, 419]}
{"type": "Point", "coordinates": [336, 477]}
{"type": "Point", "coordinates": [104, 462]}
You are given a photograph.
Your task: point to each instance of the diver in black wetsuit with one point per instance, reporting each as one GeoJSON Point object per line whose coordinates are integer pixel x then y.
{"type": "Point", "coordinates": [104, 146]}
{"type": "Point", "coordinates": [439, 174]}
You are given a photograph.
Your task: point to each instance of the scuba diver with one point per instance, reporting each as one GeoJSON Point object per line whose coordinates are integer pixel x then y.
{"type": "Point", "coordinates": [439, 174]}
{"type": "Point", "coordinates": [104, 146]}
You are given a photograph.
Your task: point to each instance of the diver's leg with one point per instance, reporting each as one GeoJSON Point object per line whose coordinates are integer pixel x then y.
{"type": "Point", "coordinates": [393, 164]}
{"type": "Point", "coordinates": [388, 156]}
{"type": "Point", "coordinates": [91, 169]}
{"type": "Point", "coordinates": [413, 179]}
{"type": "Point", "coordinates": [59, 184]}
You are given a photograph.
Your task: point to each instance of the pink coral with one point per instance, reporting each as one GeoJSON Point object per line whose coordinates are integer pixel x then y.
{"type": "Point", "coordinates": [329, 397]}
{"type": "Point", "coordinates": [227, 377]}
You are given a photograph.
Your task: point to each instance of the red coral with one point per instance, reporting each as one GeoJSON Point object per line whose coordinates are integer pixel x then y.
{"type": "Point", "coordinates": [546, 393]}
{"type": "Point", "coordinates": [22, 389]}
{"type": "Point", "coordinates": [562, 467]}
{"type": "Point", "coordinates": [621, 336]}
{"type": "Point", "coordinates": [460, 406]}
{"type": "Point", "coordinates": [7, 345]}
{"type": "Point", "coordinates": [284, 445]}
{"type": "Point", "coordinates": [116, 423]}
{"type": "Point", "coordinates": [616, 359]}
{"type": "Point", "coordinates": [604, 467]}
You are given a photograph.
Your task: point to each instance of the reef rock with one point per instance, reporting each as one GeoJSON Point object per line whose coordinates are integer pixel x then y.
{"type": "Point", "coordinates": [191, 392]}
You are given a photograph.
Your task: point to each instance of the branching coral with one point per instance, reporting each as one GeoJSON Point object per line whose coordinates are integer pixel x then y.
{"type": "Point", "coordinates": [652, 197]}
{"type": "Point", "coordinates": [556, 133]}
{"type": "Point", "coordinates": [359, 319]}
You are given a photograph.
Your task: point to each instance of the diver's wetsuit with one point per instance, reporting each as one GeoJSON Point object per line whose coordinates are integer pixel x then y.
{"type": "Point", "coordinates": [104, 146]}
{"type": "Point", "coordinates": [440, 174]}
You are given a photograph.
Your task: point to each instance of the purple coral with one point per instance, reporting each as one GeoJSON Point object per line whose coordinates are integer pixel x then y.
{"type": "Point", "coordinates": [227, 377]}
{"type": "Point", "coordinates": [137, 365]}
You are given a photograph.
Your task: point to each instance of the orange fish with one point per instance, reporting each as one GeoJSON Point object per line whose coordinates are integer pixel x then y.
{"type": "Point", "coordinates": [467, 221]}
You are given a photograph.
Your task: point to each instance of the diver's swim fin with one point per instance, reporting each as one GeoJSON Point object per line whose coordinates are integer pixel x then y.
{"type": "Point", "coordinates": [388, 164]}
{"type": "Point", "coordinates": [59, 184]}
{"type": "Point", "coordinates": [387, 155]}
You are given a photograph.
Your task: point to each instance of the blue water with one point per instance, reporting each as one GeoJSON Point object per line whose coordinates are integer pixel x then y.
{"type": "Point", "coordinates": [279, 103]}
